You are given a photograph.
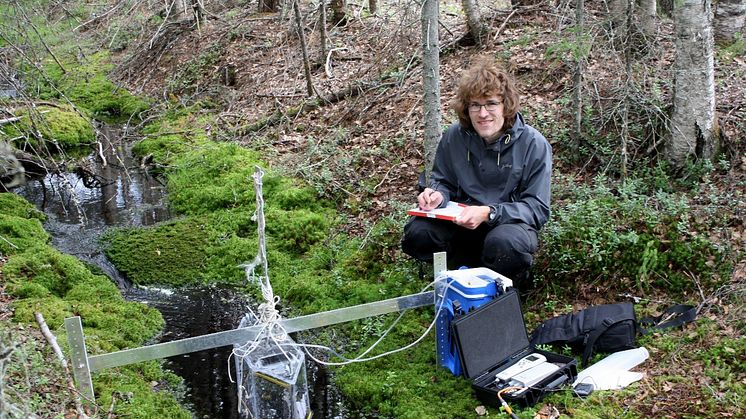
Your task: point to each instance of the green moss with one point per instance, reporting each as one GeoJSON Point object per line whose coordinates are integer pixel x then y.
{"type": "Point", "coordinates": [172, 253]}
{"type": "Point", "coordinates": [213, 177]}
{"type": "Point", "coordinates": [86, 85]}
{"type": "Point", "coordinates": [54, 310]}
{"type": "Point", "coordinates": [134, 395]}
{"type": "Point", "coordinates": [31, 290]}
{"type": "Point", "coordinates": [20, 234]}
{"type": "Point", "coordinates": [59, 128]}
{"type": "Point", "coordinates": [296, 230]}
{"type": "Point", "coordinates": [47, 267]}
{"type": "Point", "coordinates": [15, 205]}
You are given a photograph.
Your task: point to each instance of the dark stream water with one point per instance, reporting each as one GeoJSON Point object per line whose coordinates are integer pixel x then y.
{"type": "Point", "coordinates": [121, 194]}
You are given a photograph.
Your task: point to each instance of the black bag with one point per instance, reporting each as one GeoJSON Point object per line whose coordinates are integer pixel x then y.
{"type": "Point", "coordinates": [603, 328]}
{"type": "Point", "coordinates": [606, 328]}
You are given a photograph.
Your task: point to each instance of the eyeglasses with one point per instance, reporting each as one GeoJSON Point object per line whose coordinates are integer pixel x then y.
{"type": "Point", "coordinates": [490, 106]}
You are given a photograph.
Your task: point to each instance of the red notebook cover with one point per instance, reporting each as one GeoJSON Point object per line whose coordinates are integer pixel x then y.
{"type": "Point", "coordinates": [450, 212]}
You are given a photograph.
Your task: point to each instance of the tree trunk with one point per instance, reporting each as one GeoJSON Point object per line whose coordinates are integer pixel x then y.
{"type": "Point", "coordinates": [198, 10]}
{"type": "Point", "coordinates": [372, 6]}
{"type": "Point", "coordinates": [618, 12]}
{"type": "Point", "coordinates": [648, 23]}
{"type": "Point", "coordinates": [304, 50]}
{"type": "Point", "coordinates": [268, 6]}
{"type": "Point", "coordinates": [477, 29]}
{"type": "Point", "coordinates": [693, 126]}
{"type": "Point", "coordinates": [666, 7]}
{"type": "Point", "coordinates": [578, 77]}
{"type": "Point", "coordinates": [730, 16]}
{"type": "Point", "coordinates": [431, 81]}
{"type": "Point", "coordinates": [339, 12]}
{"type": "Point", "coordinates": [322, 30]}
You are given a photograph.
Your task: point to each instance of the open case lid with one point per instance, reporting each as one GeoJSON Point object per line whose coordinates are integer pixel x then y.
{"type": "Point", "coordinates": [491, 334]}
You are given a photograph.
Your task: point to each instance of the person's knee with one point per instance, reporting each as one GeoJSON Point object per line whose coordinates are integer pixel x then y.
{"type": "Point", "coordinates": [418, 240]}
{"type": "Point", "coordinates": [509, 250]}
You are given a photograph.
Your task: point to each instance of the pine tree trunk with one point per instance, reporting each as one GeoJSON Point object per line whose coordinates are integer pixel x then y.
{"type": "Point", "coordinates": [431, 81]}
{"type": "Point", "coordinates": [322, 30]}
{"type": "Point", "coordinates": [730, 16]}
{"type": "Point", "coordinates": [648, 23]}
{"type": "Point", "coordinates": [693, 126]}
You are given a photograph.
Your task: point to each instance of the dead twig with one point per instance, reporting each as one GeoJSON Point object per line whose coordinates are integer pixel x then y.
{"type": "Point", "coordinates": [502, 26]}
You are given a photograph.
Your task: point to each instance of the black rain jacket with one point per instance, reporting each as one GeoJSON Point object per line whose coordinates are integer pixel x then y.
{"type": "Point", "coordinates": [512, 174]}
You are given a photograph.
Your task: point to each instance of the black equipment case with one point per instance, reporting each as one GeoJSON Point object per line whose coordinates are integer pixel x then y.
{"type": "Point", "coordinates": [493, 337]}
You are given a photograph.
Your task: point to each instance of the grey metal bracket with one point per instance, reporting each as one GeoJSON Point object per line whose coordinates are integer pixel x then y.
{"type": "Point", "coordinates": [79, 356]}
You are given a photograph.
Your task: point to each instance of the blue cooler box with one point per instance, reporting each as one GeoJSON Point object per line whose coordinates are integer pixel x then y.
{"type": "Point", "coordinates": [456, 293]}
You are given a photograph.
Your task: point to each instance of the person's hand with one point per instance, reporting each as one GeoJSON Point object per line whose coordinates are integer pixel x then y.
{"type": "Point", "coordinates": [429, 199]}
{"type": "Point", "coordinates": [471, 217]}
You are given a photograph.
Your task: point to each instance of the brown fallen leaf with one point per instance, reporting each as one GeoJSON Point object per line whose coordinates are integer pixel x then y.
{"type": "Point", "coordinates": [547, 412]}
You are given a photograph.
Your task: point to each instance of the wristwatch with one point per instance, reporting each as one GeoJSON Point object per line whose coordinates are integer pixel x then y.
{"type": "Point", "coordinates": [492, 216]}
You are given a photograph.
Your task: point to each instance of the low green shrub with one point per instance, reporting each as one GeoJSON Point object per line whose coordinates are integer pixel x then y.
{"type": "Point", "coordinates": [626, 237]}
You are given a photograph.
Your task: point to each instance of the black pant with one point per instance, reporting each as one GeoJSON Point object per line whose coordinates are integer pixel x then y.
{"type": "Point", "coordinates": [507, 248]}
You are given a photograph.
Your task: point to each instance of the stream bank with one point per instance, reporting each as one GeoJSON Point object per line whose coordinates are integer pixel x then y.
{"type": "Point", "coordinates": [121, 194]}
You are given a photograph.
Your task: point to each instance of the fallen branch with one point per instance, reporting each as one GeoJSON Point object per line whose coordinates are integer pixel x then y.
{"type": "Point", "coordinates": [101, 153]}
{"type": "Point", "coordinates": [9, 120]}
{"type": "Point", "coordinates": [505, 22]}
{"type": "Point", "coordinates": [61, 357]}
{"type": "Point", "coordinates": [280, 116]}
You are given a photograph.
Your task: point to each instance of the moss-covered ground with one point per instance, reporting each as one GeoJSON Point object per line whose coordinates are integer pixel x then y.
{"type": "Point", "coordinates": [38, 278]}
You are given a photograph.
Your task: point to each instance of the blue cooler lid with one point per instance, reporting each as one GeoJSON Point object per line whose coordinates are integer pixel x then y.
{"type": "Point", "coordinates": [477, 283]}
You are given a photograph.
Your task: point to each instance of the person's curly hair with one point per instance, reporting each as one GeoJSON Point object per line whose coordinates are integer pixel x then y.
{"type": "Point", "coordinates": [484, 79]}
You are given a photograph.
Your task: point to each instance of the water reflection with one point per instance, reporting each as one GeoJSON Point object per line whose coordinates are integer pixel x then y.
{"type": "Point", "coordinates": [112, 191]}
{"type": "Point", "coordinates": [193, 312]}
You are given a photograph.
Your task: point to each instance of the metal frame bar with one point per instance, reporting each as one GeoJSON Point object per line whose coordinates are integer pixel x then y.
{"type": "Point", "coordinates": [83, 365]}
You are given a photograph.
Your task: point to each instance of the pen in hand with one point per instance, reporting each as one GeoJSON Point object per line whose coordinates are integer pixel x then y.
{"type": "Point", "coordinates": [429, 199]}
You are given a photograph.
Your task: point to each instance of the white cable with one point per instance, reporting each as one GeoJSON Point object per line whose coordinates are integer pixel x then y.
{"type": "Point", "coordinates": [360, 358]}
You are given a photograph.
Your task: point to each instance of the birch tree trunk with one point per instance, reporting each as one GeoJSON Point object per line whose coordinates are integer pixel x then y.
{"type": "Point", "coordinates": [730, 16]}
{"type": "Point", "coordinates": [431, 81]}
{"type": "Point", "coordinates": [693, 128]}
{"type": "Point", "coordinates": [477, 29]}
